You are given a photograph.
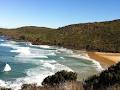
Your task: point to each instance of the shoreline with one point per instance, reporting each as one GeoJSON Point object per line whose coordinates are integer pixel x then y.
{"type": "Point", "coordinates": [105, 59]}
{"type": "Point", "coordinates": [84, 55]}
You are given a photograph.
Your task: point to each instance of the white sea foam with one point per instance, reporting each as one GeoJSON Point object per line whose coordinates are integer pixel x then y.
{"type": "Point", "coordinates": [33, 77]}
{"type": "Point", "coordinates": [24, 51]}
{"type": "Point", "coordinates": [6, 45]}
{"type": "Point", "coordinates": [27, 52]}
{"type": "Point", "coordinates": [48, 65]}
{"type": "Point", "coordinates": [41, 46]}
{"type": "Point", "coordinates": [2, 83]}
{"type": "Point", "coordinates": [54, 66]}
{"type": "Point", "coordinates": [48, 61]}
{"type": "Point", "coordinates": [64, 50]}
{"type": "Point", "coordinates": [98, 66]}
{"type": "Point", "coordinates": [28, 43]}
{"type": "Point", "coordinates": [86, 57]}
{"type": "Point", "coordinates": [96, 63]}
{"type": "Point", "coordinates": [81, 56]}
{"type": "Point", "coordinates": [2, 40]}
{"type": "Point", "coordinates": [60, 67]}
{"type": "Point", "coordinates": [44, 46]}
{"type": "Point", "coordinates": [62, 57]}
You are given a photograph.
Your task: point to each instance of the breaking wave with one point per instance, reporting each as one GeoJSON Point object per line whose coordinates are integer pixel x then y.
{"type": "Point", "coordinates": [86, 57]}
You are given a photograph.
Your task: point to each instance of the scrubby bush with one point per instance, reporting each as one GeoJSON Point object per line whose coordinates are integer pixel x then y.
{"type": "Point", "coordinates": [3, 88]}
{"type": "Point", "coordinates": [22, 37]}
{"type": "Point", "coordinates": [107, 78]}
{"type": "Point", "coordinates": [60, 77]}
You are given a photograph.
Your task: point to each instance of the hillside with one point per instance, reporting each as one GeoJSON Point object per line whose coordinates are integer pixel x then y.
{"type": "Point", "coordinates": [96, 36]}
{"type": "Point", "coordinates": [100, 36]}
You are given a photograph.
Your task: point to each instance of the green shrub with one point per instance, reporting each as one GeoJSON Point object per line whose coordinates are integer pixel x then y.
{"type": "Point", "coordinates": [59, 77]}
{"type": "Point", "coordinates": [22, 37]}
{"type": "Point", "coordinates": [105, 79]}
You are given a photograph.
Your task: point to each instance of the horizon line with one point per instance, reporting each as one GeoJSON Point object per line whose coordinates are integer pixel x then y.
{"type": "Point", "coordinates": [20, 26]}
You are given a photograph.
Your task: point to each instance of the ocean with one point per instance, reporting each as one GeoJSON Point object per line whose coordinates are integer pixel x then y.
{"type": "Point", "coordinates": [32, 63]}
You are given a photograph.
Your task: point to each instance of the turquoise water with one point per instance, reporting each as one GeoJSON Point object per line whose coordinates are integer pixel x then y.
{"type": "Point", "coordinates": [32, 63]}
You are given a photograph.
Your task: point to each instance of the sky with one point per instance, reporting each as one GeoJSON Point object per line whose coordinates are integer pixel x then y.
{"type": "Point", "coordinates": [56, 13]}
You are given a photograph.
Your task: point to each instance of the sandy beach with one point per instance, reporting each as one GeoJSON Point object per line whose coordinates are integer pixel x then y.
{"type": "Point", "coordinates": [105, 59]}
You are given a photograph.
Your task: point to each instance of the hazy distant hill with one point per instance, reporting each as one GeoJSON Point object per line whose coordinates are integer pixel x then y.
{"type": "Point", "coordinates": [100, 36]}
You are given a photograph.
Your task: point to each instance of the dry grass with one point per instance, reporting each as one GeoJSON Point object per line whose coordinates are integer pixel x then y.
{"type": "Point", "coordinates": [66, 86]}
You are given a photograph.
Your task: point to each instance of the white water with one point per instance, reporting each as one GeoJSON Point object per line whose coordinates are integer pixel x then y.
{"type": "Point", "coordinates": [86, 57]}
{"type": "Point", "coordinates": [7, 68]}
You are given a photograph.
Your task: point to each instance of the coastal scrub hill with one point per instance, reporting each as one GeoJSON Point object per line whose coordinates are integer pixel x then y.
{"type": "Point", "coordinates": [96, 36]}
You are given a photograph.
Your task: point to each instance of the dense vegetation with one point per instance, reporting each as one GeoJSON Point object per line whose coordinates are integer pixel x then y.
{"type": "Point", "coordinates": [103, 36]}
{"type": "Point", "coordinates": [60, 77]}
{"type": "Point", "coordinates": [108, 78]}
{"type": "Point", "coordinates": [98, 36]}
